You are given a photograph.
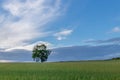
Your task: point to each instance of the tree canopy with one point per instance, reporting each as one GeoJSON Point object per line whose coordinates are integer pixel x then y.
{"type": "Point", "coordinates": [40, 52]}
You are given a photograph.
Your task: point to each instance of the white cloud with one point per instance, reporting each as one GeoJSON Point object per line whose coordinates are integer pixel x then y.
{"type": "Point", "coordinates": [63, 34]}
{"type": "Point", "coordinates": [2, 17]}
{"type": "Point", "coordinates": [24, 21]}
{"type": "Point", "coordinates": [116, 29]}
{"type": "Point", "coordinates": [6, 61]}
{"type": "Point", "coordinates": [29, 47]}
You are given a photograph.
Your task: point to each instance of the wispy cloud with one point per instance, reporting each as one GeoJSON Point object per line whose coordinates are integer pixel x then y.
{"type": "Point", "coordinates": [22, 21]}
{"type": "Point", "coordinates": [85, 52]}
{"type": "Point", "coordinates": [63, 34]}
{"type": "Point", "coordinates": [115, 30]}
{"type": "Point", "coordinates": [29, 47]}
{"type": "Point", "coordinates": [112, 40]}
{"type": "Point", "coordinates": [6, 61]}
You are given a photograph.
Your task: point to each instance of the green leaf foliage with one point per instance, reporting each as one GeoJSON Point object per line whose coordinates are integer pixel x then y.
{"type": "Point", "coordinates": [40, 52]}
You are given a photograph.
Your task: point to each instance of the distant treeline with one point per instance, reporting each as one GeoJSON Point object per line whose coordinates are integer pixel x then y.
{"type": "Point", "coordinates": [116, 58]}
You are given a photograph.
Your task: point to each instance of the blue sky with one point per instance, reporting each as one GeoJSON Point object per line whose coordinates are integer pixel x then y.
{"type": "Point", "coordinates": [89, 19]}
{"type": "Point", "coordinates": [58, 23]}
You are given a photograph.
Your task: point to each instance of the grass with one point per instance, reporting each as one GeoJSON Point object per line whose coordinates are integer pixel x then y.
{"type": "Point", "coordinates": [86, 70]}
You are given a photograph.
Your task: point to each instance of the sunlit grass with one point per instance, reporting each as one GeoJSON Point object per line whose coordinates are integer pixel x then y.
{"type": "Point", "coordinates": [89, 70]}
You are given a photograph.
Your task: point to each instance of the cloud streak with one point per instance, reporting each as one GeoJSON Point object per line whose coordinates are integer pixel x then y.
{"type": "Point", "coordinates": [63, 34]}
{"type": "Point", "coordinates": [86, 52]}
{"type": "Point", "coordinates": [109, 41]}
{"type": "Point", "coordinates": [29, 47]}
{"type": "Point", "coordinates": [23, 21]}
{"type": "Point", "coordinates": [70, 53]}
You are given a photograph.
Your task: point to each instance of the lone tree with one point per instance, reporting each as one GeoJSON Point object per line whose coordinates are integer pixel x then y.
{"type": "Point", "coordinates": [40, 52]}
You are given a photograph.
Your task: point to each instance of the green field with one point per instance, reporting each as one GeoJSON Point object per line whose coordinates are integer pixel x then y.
{"type": "Point", "coordinates": [86, 70]}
